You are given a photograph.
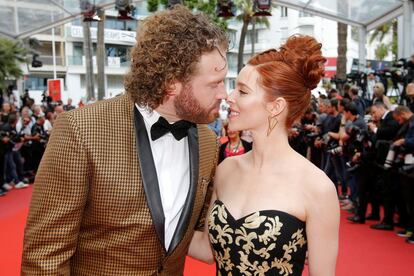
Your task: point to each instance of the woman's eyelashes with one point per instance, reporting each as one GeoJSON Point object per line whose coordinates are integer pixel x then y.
{"type": "Point", "coordinates": [242, 92]}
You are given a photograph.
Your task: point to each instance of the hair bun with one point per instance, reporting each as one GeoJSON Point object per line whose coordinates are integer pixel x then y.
{"type": "Point", "coordinates": [303, 54]}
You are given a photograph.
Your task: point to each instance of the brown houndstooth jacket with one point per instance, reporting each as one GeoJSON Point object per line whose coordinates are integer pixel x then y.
{"type": "Point", "coordinates": [96, 208]}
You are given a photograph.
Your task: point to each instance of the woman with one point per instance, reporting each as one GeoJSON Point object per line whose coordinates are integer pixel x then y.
{"type": "Point", "coordinates": [379, 96]}
{"type": "Point", "coordinates": [270, 205]}
{"type": "Point", "coordinates": [234, 145]}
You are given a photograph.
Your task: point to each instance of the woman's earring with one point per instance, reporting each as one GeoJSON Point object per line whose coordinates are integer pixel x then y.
{"type": "Point", "coordinates": [272, 124]}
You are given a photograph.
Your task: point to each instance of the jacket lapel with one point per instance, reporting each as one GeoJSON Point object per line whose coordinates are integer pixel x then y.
{"type": "Point", "coordinates": [186, 214]}
{"type": "Point", "coordinates": [149, 176]}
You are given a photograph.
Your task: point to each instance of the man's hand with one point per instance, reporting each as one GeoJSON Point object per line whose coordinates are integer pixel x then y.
{"type": "Point", "coordinates": [373, 127]}
{"type": "Point", "coordinates": [399, 142]}
{"type": "Point", "coordinates": [356, 157]}
{"type": "Point", "coordinates": [310, 128]}
{"type": "Point", "coordinates": [318, 143]}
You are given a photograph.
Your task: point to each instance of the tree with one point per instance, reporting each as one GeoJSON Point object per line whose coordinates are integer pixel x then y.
{"type": "Point", "coordinates": [389, 28]}
{"type": "Point", "coordinates": [100, 55]}
{"type": "Point", "coordinates": [382, 51]}
{"type": "Point", "coordinates": [208, 7]}
{"type": "Point", "coordinates": [342, 49]}
{"type": "Point", "coordinates": [12, 54]}
{"type": "Point", "coordinates": [245, 15]}
{"type": "Point", "coordinates": [87, 50]}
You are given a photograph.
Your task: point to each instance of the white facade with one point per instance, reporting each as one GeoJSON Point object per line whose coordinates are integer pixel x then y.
{"type": "Point", "coordinates": [70, 61]}
{"type": "Point", "coordinates": [285, 22]}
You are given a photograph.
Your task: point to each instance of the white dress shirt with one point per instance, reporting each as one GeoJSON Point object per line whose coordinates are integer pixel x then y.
{"type": "Point", "coordinates": [172, 163]}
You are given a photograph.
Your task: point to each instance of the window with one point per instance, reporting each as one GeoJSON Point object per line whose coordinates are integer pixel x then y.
{"type": "Point", "coordinates": [115, 82]}
{"type": "Point", "coordinates": [124, 25]}
{"type": "Point", "coordinates": [283, 11]}
{"type": "Point", "coordinates": [35, 83]}
{"type": "Point", "coordinates": [123, 52]}
{"type": "Point", "coordinates": [249, 37]}
{"type": "Point", "coordinates": [305, 14]}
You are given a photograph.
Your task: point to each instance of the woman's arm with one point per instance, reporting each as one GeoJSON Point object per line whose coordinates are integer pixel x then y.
{"type": "Point", "coordinates": [200, 248]}
{"type": "Point", "coordinates": [322, 228]}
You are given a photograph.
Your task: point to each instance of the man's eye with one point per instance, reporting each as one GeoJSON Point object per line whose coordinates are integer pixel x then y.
{"type": "Point", "coordinates": [242, 92]}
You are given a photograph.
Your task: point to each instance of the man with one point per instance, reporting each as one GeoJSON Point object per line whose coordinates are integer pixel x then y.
{"type": "Point", "coordinates": [335, 164]}
{"type": "Point", "coordinates": [354, 124]}
{"type": "Point", "coordinates": [69, 106]}
{"type": "Point", "coordinates": [13, 160]}
{"type": "Point", "coordinates": [120, 190]}
{"type": "Point", "coordinates": [404, 115]}
{"type": "Point", "coordinates": [357, 100]}
{"type": "Point", "coordinates": [383, 130]}
{"type": "Point", "coordinates": [410, 95]}
{"type": "Point", "coordinates": [406, 118]}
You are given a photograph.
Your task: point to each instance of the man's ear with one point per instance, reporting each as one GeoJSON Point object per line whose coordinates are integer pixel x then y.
{"type": "Point", "coordinates": [174, 88]}
{"type": "Point", "coordinates": [276, 107]}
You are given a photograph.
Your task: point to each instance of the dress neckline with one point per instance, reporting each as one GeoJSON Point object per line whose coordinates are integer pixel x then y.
{"type": "Point", "coordinates": [259, 211]}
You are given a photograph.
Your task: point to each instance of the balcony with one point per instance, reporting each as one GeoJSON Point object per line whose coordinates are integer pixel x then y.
{"type": "Point", "coordinates": [48, 60]}
{"type": "Point", "coordinates": [111, 62]}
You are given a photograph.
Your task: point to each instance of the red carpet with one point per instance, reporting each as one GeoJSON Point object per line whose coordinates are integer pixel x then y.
{"type": "Point", "coordinates": [363, 252]}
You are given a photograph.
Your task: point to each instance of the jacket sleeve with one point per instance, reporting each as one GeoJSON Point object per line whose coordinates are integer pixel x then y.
{"type": "Point", "coordinates": [209, 193]}
{"type": "Point", "coordinates": [388, 129]}
{"type": "Point", "coordinates": [409, 138]}
{"type": "Point", "coordinates": [58, 201]}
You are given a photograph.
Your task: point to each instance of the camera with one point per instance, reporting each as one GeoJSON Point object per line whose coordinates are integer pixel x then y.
{"type": "Point", "coordinates": [398, 157]}
{"type": "Point", "coordinates": [336, 150]}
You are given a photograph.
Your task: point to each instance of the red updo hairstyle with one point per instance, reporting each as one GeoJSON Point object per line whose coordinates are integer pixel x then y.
{"type": "Point", "coordinates": [291, 72]}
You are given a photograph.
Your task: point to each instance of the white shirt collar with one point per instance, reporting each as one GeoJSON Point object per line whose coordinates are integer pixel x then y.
{"type": "Point", "coordinates": [385, 114]}
{"type": "Point", "coordinates": [150, 117]}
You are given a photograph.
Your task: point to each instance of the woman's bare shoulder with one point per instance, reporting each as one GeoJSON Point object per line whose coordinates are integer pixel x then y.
{"type": "Point", "coordinates": [227, 168]}
{"type": "Point", "coordinates": [315, 181]}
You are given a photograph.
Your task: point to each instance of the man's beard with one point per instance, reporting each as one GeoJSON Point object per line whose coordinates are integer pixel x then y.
{"type": "Point", "coordinates": [189, 108]}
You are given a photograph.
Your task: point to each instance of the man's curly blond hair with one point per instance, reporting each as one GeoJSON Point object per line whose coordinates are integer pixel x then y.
{"type": "Point", "coordinates": [169, 46]}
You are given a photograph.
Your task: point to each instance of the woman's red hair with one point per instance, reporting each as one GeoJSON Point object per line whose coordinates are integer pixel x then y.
{"type": "Point", "coordinates": [291, 72]}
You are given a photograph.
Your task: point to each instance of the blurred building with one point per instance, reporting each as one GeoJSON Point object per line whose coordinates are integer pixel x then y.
{"type": "Point", "coordinates": [120, 38]}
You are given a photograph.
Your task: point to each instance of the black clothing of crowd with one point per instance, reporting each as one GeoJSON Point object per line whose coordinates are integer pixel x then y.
{"type": "Point", "coordinates": [367, 151]}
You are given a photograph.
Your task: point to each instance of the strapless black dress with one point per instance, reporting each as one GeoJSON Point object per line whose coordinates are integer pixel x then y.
{"type": "Point", "coordinates": [267, 242]}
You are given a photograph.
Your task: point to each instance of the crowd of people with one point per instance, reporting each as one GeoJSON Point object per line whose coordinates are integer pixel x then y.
{"type": "Point", "coordinates": [24, 131]}
{"type": "Point", "coordinates": [364, 144]}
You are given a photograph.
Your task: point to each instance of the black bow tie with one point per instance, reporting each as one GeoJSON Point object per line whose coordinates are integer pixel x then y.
{"type": "Point", "coordinates": [179, 129]}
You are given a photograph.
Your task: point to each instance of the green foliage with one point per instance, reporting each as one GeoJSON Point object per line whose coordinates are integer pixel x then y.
{"type": "Point", "coordinates": [208, 7]}
{"type": "Point", "coordinates": [11, 55]}
{"type": "Point", "coordinates": [379, 33]}
{"type": "Point", "coordinates": [245, 14]}
{"type": "Point", "coordinates": [382, 51]}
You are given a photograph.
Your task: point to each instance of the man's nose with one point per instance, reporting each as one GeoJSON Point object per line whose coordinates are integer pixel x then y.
{"type": "Point", "coordinates": [222, 94]}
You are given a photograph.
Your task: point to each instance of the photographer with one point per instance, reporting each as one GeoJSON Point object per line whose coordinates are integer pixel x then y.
{"type": "Point", "coordinates": [335, 164]}
{"type": "Point", "coordinates": [13, 159]}
{"type": "Point", "coordinates": [382, 129]}
{"type": "Point", "coordinates": [298, 135]}
{"type": "Point", "coordinates": [410, 95]}
{"type": "Point", "coordinates": [389, 180]}
{"type": "Point", "coordinates": [39, 141]}
{"type": "Point", "coordinates": [352, 139]}
{"type": "Point", "coordinates": [403, 114]}
{"type": "Point", "coordinates": [357, 100]}
{"type": "Point", "coordinates": [405, 145]}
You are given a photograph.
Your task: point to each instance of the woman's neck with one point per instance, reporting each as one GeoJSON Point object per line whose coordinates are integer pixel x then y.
{"type": "Point", "coordinates": [234, 140]}
{"type": "Point", "coordinates": [270, 150]}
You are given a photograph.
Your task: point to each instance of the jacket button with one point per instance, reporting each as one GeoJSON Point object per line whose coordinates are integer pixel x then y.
{"type": "Point", "coordinates": [160, 268]}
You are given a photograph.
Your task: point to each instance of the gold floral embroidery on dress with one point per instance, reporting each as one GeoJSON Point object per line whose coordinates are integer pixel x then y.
{"type": "Point", "coordinates": [223, 233]}
{"type": "Point", "coordinates": [283, 263]}
{"type": "Point", "coordinates": [252, 261]}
